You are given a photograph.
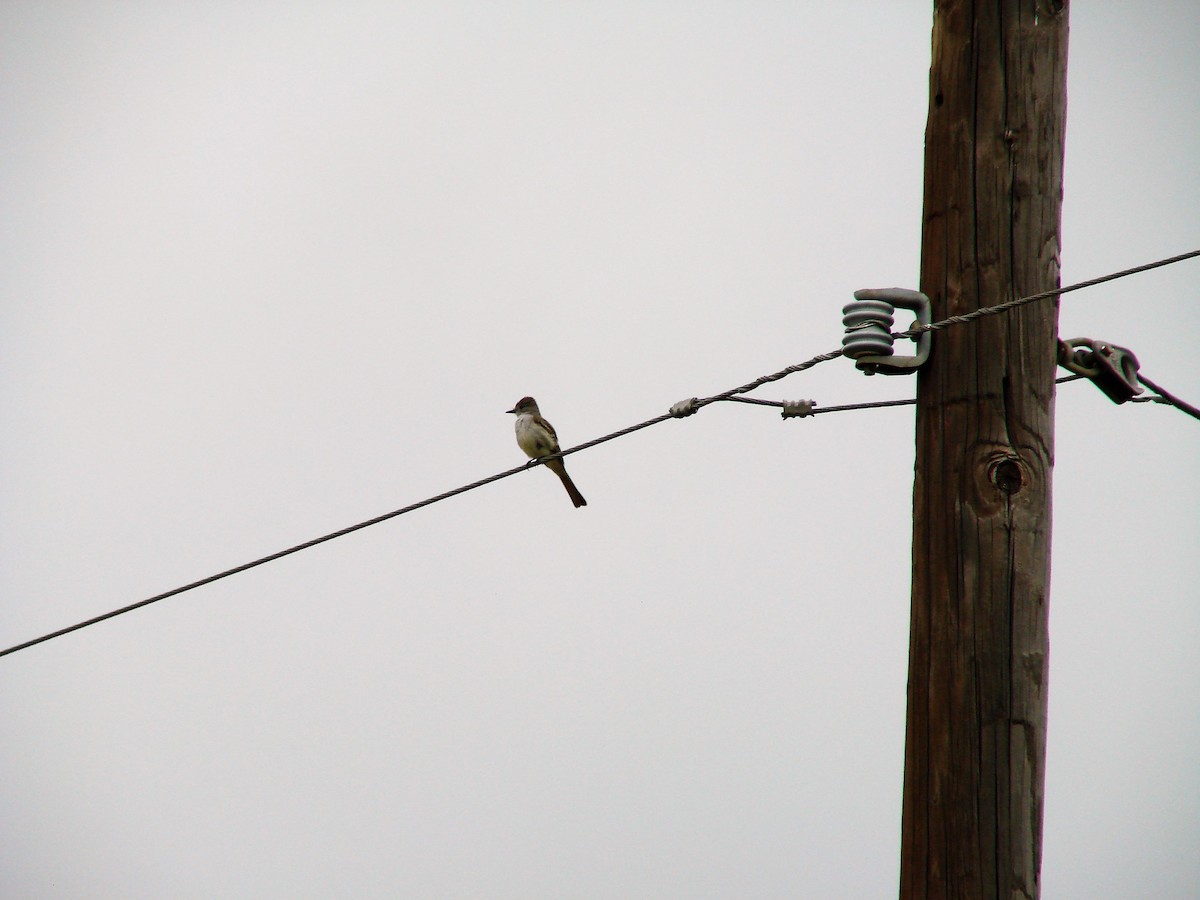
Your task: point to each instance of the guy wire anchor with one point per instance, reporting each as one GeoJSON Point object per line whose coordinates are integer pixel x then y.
{"type": "Point", "coordinates": [869, 341]}
{"type": "Point", "coordinates": [1111, 368]}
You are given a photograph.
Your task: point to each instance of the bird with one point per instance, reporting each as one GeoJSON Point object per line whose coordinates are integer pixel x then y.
{"type": "Point", "coordinates": [537, 438]}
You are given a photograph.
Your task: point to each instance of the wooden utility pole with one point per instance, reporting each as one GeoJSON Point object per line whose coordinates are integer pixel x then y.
{"type": "Point", "coordinates": [975, 746]}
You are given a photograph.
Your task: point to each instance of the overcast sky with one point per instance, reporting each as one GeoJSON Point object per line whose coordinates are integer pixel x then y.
{"type": "Point", "coordinates": [268, 270]}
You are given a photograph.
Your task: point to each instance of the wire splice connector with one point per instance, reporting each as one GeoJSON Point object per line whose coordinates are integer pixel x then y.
{"type": "Point", "coordinates": [684, 408]}
{"type": "Point", "coordinates": [869, 339]}
{"type": "Point", "coordinates": [798, 408]}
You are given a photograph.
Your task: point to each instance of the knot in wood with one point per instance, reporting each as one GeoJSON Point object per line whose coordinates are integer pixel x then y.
{"type": "Point", "coordinates": [1006, 474]}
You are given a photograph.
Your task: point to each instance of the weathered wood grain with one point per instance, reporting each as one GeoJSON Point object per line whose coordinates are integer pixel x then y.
{"type": "Point", "coordinates": [976, 729]}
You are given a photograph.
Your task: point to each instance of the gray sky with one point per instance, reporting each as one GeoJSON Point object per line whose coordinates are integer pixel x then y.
{"type": "Point", "coordinates": [269, 270]}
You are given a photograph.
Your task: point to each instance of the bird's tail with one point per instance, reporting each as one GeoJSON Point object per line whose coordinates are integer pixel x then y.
{"type": "Point", "coordinates": [560, 470]}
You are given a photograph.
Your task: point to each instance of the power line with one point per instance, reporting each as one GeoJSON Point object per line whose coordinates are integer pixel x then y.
{"type": "Point", "coordinates": [779, 404]}
{"type": "Point", "coordinates": [874, 404]}
{"type": "Point", "coordinates": [691, 406]}
{"type": "Point", "coordinates": [917, 330]}
{"type": "Point", "coordinates": [1169, 398]}
{"type": "Point", "coordinates": [260, 561]}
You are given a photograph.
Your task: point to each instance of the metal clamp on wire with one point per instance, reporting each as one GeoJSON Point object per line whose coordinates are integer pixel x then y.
{"type": "Point", "coordinates": [798, 408]}
{"type": "Point", "coordinates": [869, 339]}
{"type": "Point", "coordinates": [684, 408]}
{"type": "Point", "coordinates": [1111, 368]}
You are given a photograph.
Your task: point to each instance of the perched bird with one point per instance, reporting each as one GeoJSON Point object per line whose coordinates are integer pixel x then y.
{"type": "Point", "coordinates": [537, 438]}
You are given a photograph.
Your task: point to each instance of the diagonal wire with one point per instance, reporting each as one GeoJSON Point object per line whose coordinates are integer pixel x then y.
{"type": "Point", "coordinates": [918, 330]}
{"type": "Point", "coordinates": [730, 394]}
{"type": "Point", "coordinates": [874, 404]}
{"type": "Point", "coordinates": [1181, 405]}
{"type": "Point", "coordinates": [260, 561]}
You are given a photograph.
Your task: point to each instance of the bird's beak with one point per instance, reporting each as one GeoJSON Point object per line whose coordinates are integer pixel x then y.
{"type": "Point", "coordinates": [513, 410]}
